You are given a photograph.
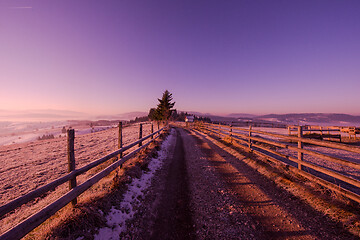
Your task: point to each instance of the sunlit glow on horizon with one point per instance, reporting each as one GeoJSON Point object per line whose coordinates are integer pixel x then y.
{"type": "Point", "coordinates": [220, 58]}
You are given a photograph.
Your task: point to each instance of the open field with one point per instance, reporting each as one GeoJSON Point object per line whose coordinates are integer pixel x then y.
{"type": "Point", "coordinates": [23, 132]}
{"type": "Point", "coordinates": [27, 166]}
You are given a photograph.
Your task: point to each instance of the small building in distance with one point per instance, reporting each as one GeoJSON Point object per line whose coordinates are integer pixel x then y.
{"type": "Point", "coordinates": [189, 119]}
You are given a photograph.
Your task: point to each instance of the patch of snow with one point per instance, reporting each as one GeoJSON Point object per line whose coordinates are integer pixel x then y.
{"type": "Point", "coordinates": [116, 219]}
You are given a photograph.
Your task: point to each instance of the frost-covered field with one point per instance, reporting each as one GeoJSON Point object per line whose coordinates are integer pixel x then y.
{"type": "Point", "coordinates": [342, 154]}
{"type": "Point", "coordinates": [27, 166]}
{"type": "Point", "coordinates": [21, 132]}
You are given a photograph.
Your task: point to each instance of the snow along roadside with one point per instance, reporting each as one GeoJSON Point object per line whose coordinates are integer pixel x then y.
{"type": "Point", "coordinates": [116, 219]}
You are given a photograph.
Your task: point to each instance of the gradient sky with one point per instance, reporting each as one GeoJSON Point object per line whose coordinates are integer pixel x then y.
{"type": "Point", "coordinates": [220, 56]}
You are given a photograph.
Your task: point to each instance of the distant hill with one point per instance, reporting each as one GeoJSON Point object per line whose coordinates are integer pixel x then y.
{"type": "Point", "coordinates": [40, 115]}
{"type": "Point", "coordinates": [241, 115]}
{"type": "Point", "coordinates": [212, 117]}
{"type": "Point", "coordinates": [291, 118]}
{"type": "Point", "coordinates": [60, 115]}
{"type": "Point", "coordinates": [122, 116]}
{"type": "Point", "coordinates": [325, 118]}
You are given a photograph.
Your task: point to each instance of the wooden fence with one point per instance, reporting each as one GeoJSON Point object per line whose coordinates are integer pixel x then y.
{"type": "Point", "coordinates": [352, 131]}
{"type": "Point", "coordinates": [244, 138]}
{"type": "Point", "coordinates": [36, 219]}
{"type": "Point", "coordinates": [331, 132]}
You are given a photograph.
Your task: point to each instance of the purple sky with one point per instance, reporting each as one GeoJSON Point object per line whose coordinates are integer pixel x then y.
{"type": "Point", "coordinates": [117, 56]}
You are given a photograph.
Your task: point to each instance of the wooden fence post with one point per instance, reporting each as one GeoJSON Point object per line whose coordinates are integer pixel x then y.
{"type": "Point", "coordinates": [152, 130]}
{"type": "Point", "coordinates": [231, 133]}
{"type": "Point", "coordinates": [219, 130]}
{"type": "Point", "coordinates": [250, 144]}
{"type": "Point", "coordinates": [140, 134]}
{"type": "Point", "coordinates": [349, 133]}
{"type": "Point", "coordinates": [300, 145]}
{"type": "Point", "coordinates": [120, 140]}
{"type": "Point", "coordinates": [71, 160]}
{"type": "Point", "coordinates": [321, 132]}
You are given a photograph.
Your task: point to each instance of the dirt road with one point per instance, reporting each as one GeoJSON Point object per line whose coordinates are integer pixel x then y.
{"type": "Point", "coordinates": [203, 192]}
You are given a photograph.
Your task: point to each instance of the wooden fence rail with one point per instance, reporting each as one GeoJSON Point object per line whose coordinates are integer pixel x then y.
{"type": "Point", "coordinates": [351, 131]}
{"type": "Point", "coordinates": [242, 137]}
{"type": "Point", "coordinates": [36, 219]}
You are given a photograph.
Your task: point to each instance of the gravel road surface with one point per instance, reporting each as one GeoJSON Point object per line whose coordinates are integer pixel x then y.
{"type": "Point", "coordinates": [203, 192]}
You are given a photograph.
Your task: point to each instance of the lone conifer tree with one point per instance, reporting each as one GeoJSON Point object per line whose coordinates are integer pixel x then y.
{"type": "Point", "coordinates": [164, 108]}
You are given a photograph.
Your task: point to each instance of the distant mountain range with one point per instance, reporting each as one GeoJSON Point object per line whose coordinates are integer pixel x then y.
{"type": "Point", "coordinates": [227, 117]}
{"type": "Point", "coordinates": [293, 118]}
{"type": "Point", "coordinates": [296, 118]}
{"type": "Point", "coordinates": [241, 115]}
{"type": "Point", "coordinates": [60, 115]}
{"type": "Point", "coordinates": [122, 116]}
{"type": "Point", "coordinates": [40, 115]}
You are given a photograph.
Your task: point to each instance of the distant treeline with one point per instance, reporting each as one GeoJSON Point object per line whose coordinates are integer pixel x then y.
{"type": "Point", "coordinates": [203, 119]}
{"type": "Point", "coordinates": [140, 119]}
{"type": "Point", "coordinates": [175, 116]}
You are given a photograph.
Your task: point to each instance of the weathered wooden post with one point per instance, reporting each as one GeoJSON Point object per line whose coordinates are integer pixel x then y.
{"type": "Point", "coordinates": [120, 140]}
{"type": "Point", "coordinates": [219, 130]}
{"type": "Point", "coordinates": [321, 132]}
{"type": "Point", "coordinates": [349, 133]}
{"type": "Point", "coordinates": [250, 143]}
{"type": "Point", "coordinates": [71, 160]}
{"type": "Point", "coordinates": [140, 134]}
{"type": "Point", "coordinates": [231, 134]}
{"type": "Point", "coordinates": [353, 132]}
{"type": "Point", "coordinates": [300, 145]}
{"type": "Point", "coordinates": [152, 130]}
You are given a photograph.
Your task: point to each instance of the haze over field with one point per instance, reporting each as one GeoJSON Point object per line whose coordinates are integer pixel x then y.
{"type": "Point", "coordinates": [104, 58]}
